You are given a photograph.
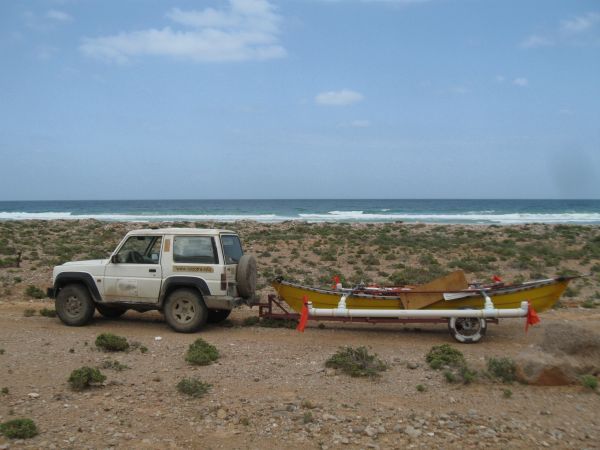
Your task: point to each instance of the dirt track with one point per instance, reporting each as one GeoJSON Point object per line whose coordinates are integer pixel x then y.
{"type": "Point", "coordinates": [270, 389]}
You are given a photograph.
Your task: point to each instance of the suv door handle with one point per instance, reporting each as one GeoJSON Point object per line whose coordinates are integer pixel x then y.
{"type": "Point", "coordinates": [152, 270]}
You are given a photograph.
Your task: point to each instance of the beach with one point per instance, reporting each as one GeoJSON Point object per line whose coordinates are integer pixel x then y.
{"type": "Point", "coordinates": [270, 384]}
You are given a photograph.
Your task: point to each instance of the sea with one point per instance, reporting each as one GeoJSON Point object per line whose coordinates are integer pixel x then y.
{"type": "Point", "coordinates": [460, 211]}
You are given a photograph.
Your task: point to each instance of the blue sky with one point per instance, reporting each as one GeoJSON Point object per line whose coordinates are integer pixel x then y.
{"type": "Point", "coordinates": [299, 99]}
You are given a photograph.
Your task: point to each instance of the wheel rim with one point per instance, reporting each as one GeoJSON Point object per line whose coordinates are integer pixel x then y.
{"type": "Point", "coordinates": [184, 310]}
{"type": "Point", "coordinates": [468, 326]}
{"type": "Point", "coordinates": [74, 306]}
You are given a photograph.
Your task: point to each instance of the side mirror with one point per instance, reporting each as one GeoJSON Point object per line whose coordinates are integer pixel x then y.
{"type": "Point", "coordinates": [114, 259]}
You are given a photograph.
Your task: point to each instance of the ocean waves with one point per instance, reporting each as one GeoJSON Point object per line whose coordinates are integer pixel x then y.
{"type": "Point", "coordinates": [471, 217]}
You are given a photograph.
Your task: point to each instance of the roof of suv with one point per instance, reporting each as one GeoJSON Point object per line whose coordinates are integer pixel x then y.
{"type": "Point", "coordinates": [185, 231]}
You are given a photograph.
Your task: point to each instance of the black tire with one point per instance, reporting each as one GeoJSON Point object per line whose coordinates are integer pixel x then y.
{"type": "Point", "coordinates": [110, 312]}
{"type": "Point", "coordinates": [467, 330]}
{"type": "Point", "coordinates": [185, 311]}
{"type": "Point", "coordinates": [246, 276]}
{"type": "Point", "coordinates": [74, 305]}
{"type": "Point", "coordinates": [218, 315]}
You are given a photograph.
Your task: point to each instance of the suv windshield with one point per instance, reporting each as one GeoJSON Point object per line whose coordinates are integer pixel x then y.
{"type": "Point", "coordinates": [232, 249]}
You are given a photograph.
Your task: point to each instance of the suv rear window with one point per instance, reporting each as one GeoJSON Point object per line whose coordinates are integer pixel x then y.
{"type": "Point", "coordinates": [232, 249]}
{"type": "Point", "coordinates": [195, 250]}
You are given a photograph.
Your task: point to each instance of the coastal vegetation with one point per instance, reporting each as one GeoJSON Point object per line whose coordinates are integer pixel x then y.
{"type": "Point", "coordinates": [385, 253]}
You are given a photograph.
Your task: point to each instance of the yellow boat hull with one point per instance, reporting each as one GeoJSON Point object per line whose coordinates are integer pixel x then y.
{"type": "Point", "coordinates": [542, 296]}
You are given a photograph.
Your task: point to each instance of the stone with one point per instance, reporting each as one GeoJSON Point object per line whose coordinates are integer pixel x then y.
{"type": "Point", "coordinates": [412, 365]}
{"type": "Point", "coordinates": [221, 413]}
{"type": "Point", "coordinates": [412, 432]}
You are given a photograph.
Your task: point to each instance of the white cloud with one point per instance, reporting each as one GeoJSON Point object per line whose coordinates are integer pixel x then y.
{"type": "Point", "coordinates": [338, 98]}
{"type": "Point", "coordinates": [360, 123]}
{"type": "Point", "coordinates": [578, 30]}
{"type": "Point", "coordinates": [460, 90]}
{"type": "Point", "coordinates": [521, 82]}
{"type": "Point", "coordinates": [580, 24]}
{"type": "Point", "coordinates": [535, 41]}
{"type": "Point", "coordinates": [59, 16]}
{"type": "Point", "coordinates": [499, 79]}
{"type": "Point", "coordinates": [46, 52]}
{"type": "Point", "coordinates": [246, 30]}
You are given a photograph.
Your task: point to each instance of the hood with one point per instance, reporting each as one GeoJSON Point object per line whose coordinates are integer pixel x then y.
{"type": "Point", "coordinates": [89, 262]}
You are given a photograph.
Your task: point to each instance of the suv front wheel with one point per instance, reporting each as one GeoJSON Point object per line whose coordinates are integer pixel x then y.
{"type": "Point", "coordinates": [185, 311]}
{"type": "Point", "coordinates": [74, 305]}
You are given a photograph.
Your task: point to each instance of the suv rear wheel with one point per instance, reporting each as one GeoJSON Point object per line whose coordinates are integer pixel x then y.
{"type": "Point", "coordinates": [74, 305]}
{"type": "Point", "coordinates": [185, 311]}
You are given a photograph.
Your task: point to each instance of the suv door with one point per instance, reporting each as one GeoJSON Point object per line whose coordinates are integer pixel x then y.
{"type": "Point", "coordinates": [134, 273]}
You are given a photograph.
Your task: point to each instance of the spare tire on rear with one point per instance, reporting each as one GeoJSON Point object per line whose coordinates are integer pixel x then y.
{"type": "Point", "coordinates": [246, 276]}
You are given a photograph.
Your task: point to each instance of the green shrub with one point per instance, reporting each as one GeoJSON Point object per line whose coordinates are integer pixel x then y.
{"type": "Point", "coordinates": [201, 353]}
{"type": "Point", "coordinates": [29, 312]}
{"type": "Point", "coordinates": [445, 355]}
{"type": "Point", "coordinates": [467, 375]}
{"type": "Point", "coordinates": [113, 365]}
{"type": "Point", "coordinates": [421, 388]}
{"type": "Point", "coordinates": [111, 343]}
{"type": "Point", "coordinates": [356, 362]}
{"type": "Point", "coordinates": [507, 393]}
{"type": "Point", "coordinates": [84, 377]}
{"type": "Point", "coordinates": [278, 323]}
{"type": "Point", "coordinates": [4, 391]}
{"type": "Point", "coordinates": [450, 376]}
{"type": "Point", "coordinates": [502, 368]}
{"type": "Point", "coordinates": [193, 387]}
{"type": "Point", "coordinates": [47, 312]}
{"type": "Point", "coordinates": [19, 429]}
{"type": "Point", "coordinates": [34, 292]}
{"type": "Point", "coordinates": [250, 321]}
{"type": "Point", "coordinates": [589, 381]}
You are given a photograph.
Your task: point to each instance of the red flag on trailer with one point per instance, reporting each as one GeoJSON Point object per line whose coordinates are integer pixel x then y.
{"type": "Point", "coordinates": [496, 279]}
{"type": "Point", "coordinates": [336, 281]}
{"type": "Point", "coordinates": [303, 316]}
{"type": "Point", "coordinates": [532, 317]}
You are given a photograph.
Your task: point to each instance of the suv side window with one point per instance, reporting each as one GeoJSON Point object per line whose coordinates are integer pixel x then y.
{"type": "Point", "coordinates": [140, 250]}
{"type": "Point", "coordinates": [195, 250]}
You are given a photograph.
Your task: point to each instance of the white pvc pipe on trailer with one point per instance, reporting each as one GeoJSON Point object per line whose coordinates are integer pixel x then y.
{"type": "Point", "coordinates": [486, 313]}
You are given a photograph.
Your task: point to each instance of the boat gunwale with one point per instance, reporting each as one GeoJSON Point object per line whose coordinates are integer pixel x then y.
{"type": "Point", "coordinates": [468, 292]}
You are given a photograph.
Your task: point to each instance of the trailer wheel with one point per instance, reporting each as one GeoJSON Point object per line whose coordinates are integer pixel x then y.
{"type": "Point", "coordinates": [467, 330]}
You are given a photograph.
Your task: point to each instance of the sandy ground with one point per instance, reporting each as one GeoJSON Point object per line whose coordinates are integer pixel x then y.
{"type": "Point", "coordinates": [270, 388]}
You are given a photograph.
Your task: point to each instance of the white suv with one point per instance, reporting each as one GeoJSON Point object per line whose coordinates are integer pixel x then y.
{"type": "Point", "coordinates": [191, 275]}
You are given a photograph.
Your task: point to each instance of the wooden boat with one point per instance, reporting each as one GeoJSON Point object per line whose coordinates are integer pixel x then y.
{"type": "Point", "coordinates": [441, 294]}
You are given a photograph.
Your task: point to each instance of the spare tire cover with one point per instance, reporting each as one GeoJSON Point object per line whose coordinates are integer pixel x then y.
{"type": "Point", "coordinates": [246, 276]}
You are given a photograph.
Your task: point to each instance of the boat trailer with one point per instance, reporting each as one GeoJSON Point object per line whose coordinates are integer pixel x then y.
{"type": "Point", "coordinates": [465, 325]}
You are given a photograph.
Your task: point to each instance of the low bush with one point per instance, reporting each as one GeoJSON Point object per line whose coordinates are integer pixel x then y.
{"type": "Point", "coordinates": [111, 343]}
{"type": "Point", "coordinates": [47, 312]}
{"type": "Point", "coordinates": [250, 321]}
{"type": "Point", "coordinates": [278, 323]}
{"type": "Point", "coordinates": [193, 387]}
{"type": "Point", "coordinates": [85, 377]}
{"type": "Point", "coordinates": [201, 353]}
{"type": "Point", "coordinates": [589, 381]}
{"type": "Point", "coordinates": [113, 365]}
{"type": "Point", "coordinates": [503, 369]}
{"type": "Point", "coordinates": [356, 362]}
{"type": "Point", "coordinates": [29, 312]}
{"type": "Point", "coordinates": [19, 429]}
{"type": "Point", "coordinates": [34, 292]}
{"type": "Point", "coordinates": [445, 355]}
